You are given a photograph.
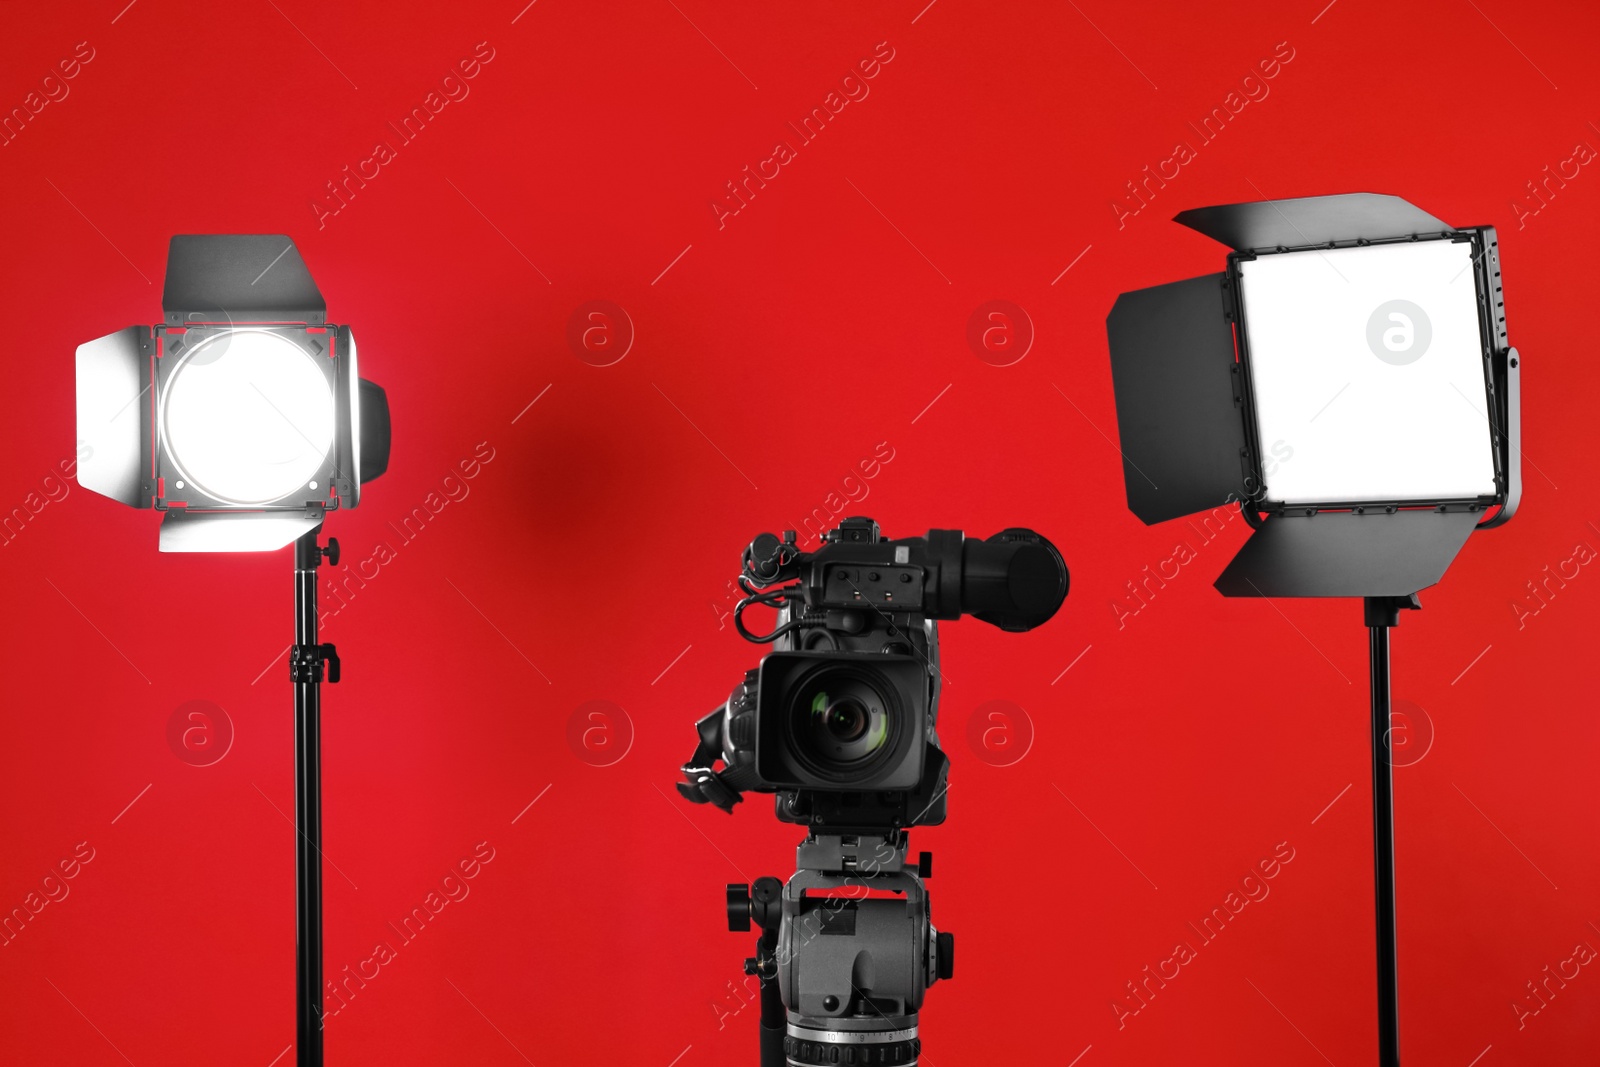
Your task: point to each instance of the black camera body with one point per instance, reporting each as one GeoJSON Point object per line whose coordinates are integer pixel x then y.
{"type": "Point", "coordinates": [839, 719]}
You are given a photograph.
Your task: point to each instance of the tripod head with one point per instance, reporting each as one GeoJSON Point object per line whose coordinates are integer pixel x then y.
{"type": "Point", "coordinates": [821, 933]}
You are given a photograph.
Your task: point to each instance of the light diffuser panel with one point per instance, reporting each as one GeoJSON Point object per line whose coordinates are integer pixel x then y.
{"type": "Point", "coordinates": [249, 417]}
{"type": "Point", "coordinates": [1368, 374]}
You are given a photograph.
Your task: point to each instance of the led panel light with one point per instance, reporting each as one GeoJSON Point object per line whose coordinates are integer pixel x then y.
{"type": "Point", "coordinates": [1346, 381]}
{"type": "Point", "coordinates": [1368, 370]}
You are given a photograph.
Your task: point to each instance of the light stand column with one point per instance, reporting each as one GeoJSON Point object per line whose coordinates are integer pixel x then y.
{"type": "Point", "coordinates": [306, 658]}
{"type": "Point", "coordinates": [1383, 613]}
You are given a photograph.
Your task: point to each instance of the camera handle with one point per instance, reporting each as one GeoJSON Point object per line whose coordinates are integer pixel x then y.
{"type": "Point", "coordinates": [701, 784]}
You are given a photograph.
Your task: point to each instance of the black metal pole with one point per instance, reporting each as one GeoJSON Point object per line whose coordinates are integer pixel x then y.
{"type": "Point", "coordinates": [1381, 614]}
{"type": "Point", "coordinates": [306, 668]}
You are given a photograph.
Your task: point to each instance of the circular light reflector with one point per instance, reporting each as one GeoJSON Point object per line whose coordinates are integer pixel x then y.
{"type": "Point", "coordinates": [248, 416]}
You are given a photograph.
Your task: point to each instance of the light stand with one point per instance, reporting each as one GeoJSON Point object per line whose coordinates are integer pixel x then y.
{"type": "Point", "coordinates": [1388, 325]}
{"type": "Point", "coordinates": [243, 419]}
{"type": "Point", "coordinates": [306, 659]}
{"type": "Point", "coordinates": [1382, 614]}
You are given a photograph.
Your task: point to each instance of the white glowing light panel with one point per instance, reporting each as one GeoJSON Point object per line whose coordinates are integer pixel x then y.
{"type": "Point", "coordinates": [1367, 365]}
{"type": "Point", "coordinates": [248, 416]}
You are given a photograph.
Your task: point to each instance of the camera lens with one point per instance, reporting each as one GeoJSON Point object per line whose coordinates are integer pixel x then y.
{"type": "Point", "coordinates": [842, 724]}
{"type": "Point", "coordinates": [845, 719]}
{"type": "Point", "coordinates": [846, 723]}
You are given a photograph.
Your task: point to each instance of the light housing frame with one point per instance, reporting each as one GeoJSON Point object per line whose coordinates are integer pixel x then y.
{"type": "Point", "coordinates": [333, 473]}
{"type": "Point", "coordinates": [1182, 371]}
{"type": "Point", "coordinates": [214, 287]}
{"type": "Point", "coordinates": [1485, 257]}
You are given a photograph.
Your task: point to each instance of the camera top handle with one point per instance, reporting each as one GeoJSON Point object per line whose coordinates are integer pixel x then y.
{"type": "Point", "coordinates": [1015, 580]}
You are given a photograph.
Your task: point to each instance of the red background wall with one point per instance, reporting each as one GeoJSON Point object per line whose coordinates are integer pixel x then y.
{"type": "Point", "coordinates": [587, 560]}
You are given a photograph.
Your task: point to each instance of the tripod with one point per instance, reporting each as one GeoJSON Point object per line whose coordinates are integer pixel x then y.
{"type": "Point", "coordinates": [843, 976]}
{"type": "Point", "coordinates": [306, 660]}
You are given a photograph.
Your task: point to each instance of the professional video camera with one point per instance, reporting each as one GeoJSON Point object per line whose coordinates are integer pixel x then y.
{"type": "Point", "coordinates": [839, 721]}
